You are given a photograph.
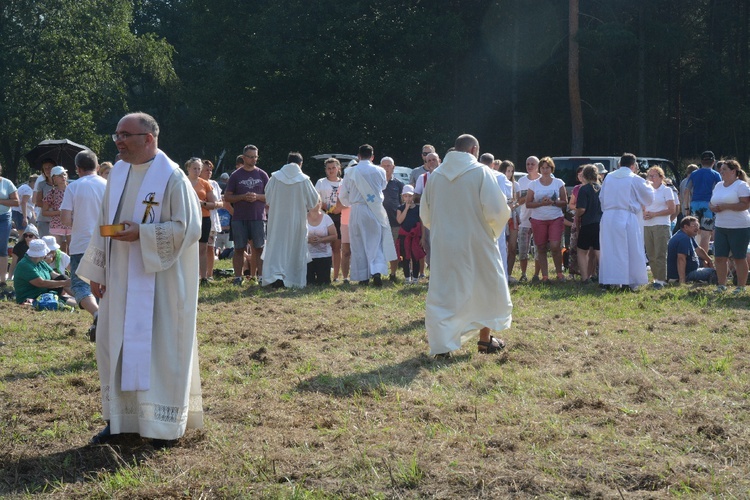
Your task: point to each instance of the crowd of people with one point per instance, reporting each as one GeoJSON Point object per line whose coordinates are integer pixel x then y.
{"type": "Point", "coordinates": [131, 243]}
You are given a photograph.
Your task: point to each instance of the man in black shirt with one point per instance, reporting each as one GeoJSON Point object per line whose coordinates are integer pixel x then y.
{"type": "Point", "coordinates": [391, 202]}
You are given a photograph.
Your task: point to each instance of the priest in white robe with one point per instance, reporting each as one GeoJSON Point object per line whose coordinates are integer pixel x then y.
{"type": "Point", "coordinates": [370, 233]}
{"type": "Point", "coordinates": [466, 211]}
{"type": "Point", "coordinates": [146, 277]}
{"type": "Point", "coordinates": [289, 195]}
{"type": "Point", "coordinates": [622, 257]}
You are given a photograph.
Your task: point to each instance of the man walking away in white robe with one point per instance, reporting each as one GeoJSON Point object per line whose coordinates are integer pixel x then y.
{"type": "Point", "coordinates": [622, 258]}
{"type": "Point", "coordinates": [146, 277]}
{"type": "Point", "coordinates": [466, 211]}
{"type": "Point", "coordinates": [289, 195]}
{"type": "Point", "coordinates": [369, 230]}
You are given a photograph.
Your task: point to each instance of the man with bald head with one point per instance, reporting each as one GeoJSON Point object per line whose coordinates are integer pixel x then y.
{"type": "Point", "coordinates": [146, 277]}
{"type": "Point", "coordinates": [466, 212]}
{"type": "Point", "coordinates": [524, 228]}
{"type": "Point", "coordinates": [391, 202]}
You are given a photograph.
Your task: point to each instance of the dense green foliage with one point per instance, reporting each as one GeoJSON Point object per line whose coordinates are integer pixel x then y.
{"type": "Point", "coordinates": [658, 77]}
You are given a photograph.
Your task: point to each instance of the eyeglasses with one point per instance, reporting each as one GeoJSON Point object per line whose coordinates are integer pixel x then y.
{"type": "Point", "coordinates": [28, 236]}
{"type": "Point", "coordinates": [426, 153]}
{"type": "Point", "coordinates": [121, 136]}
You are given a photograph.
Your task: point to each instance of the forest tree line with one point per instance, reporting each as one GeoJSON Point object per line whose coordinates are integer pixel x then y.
{"type": "Point", "coordinates": [665, 78]}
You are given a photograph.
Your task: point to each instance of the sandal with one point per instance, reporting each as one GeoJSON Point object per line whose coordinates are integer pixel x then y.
{"type": "Point", "coordinates": [494, 345]}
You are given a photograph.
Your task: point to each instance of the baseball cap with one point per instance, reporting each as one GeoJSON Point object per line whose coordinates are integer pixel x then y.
{"type": "Point", "coordinates": [708, 155]}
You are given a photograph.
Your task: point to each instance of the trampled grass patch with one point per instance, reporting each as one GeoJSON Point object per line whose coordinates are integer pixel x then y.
{"type": "Point", "coordinates": [329, 393]}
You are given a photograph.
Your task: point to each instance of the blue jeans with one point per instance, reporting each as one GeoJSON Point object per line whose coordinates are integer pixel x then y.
{"type": "Point", "coordinates": [80, 288]}
{"type": "Point", "coordinates": [707, 274]}
{"type": "Point", "coordinates": [4, 233]}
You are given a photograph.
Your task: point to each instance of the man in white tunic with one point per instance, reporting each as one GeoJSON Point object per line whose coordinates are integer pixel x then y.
{"type": "Point", "coordinates": [369, 230]}
{"type": "Point", "coordinates": [622, 258]}
{"type": "Point", "coordinates": [466, 211]}
{"type": "Point", "coordinates": [289, 195]}
{"type": "Point", "coordinates": [146, 277]}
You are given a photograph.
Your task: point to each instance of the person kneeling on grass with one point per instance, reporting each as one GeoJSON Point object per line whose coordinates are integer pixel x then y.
{"type": "Point", "coordinates": [34, 276]}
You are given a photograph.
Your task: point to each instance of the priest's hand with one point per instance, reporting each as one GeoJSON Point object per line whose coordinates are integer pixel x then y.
{"type": "Point", "coordinates": [130, 233]}
{"type": "Point", "coordinates": [97, 289]}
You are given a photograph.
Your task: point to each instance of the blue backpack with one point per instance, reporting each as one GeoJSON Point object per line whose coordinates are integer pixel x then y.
{"type": "Point", "coordinates": [46, 302]}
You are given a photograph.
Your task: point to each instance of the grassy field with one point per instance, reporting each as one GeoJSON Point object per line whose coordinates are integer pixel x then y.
{"type": "Point", "coordinates": [329, 393]}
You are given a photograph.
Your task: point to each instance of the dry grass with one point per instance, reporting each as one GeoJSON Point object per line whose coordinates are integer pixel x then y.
{"type": "Point", "coordinates": [329, 393]}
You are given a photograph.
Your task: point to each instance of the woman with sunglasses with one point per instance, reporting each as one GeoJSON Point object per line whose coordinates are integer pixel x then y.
{"type": "Point", "coordinates": [20, 248]}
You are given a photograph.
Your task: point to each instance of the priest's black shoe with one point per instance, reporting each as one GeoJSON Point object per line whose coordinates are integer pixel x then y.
{"type": "Point", "coordinates": [161, 444]}
{"type": "Point", "coordinates": [377, 280]}
{"type": "Point", "coordinates": [104, 436]}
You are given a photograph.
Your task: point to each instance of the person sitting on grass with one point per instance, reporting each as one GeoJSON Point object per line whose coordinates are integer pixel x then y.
{"type": "Point", "coordinates": [58, 260]}
{"type": "Point", "coordinates": [683, 251]}
{"type": "Point", "coordinates": [34, 276]}
{"type": "Point", "coordinates": [22, 246]}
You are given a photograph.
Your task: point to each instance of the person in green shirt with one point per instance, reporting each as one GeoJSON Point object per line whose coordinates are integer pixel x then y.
{"type": "Point", "coordinates": [34, 276]}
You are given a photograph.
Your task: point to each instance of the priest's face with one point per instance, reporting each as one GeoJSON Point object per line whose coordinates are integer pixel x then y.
{"type": "Point", "coordinates": [134, 143]}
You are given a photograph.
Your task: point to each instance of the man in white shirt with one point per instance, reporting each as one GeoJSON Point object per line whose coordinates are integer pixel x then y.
{"type": "Point", "coordinates": [80, 210]}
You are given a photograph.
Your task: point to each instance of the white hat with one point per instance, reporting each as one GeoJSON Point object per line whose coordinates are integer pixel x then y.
{"type": "Point", "coordinates": [224, 176]}
{"type": "Point", "coordinates": [31, 229]}
{"type": "Point", "coordinates": [58, 170]}
{"type": "Point", "coordinates": [51, 243]}
{"type": "Point", "coordinates": [37, 248]}
{"type": "Point", "coordinates": [408, 189]}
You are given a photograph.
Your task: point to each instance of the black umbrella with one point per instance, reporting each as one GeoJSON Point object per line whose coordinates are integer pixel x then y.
{"type": "Point", "coordinates": [62, 152]}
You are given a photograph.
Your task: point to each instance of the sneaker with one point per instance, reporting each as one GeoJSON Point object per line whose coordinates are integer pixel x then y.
{"type": "Point", "coordinates": [721, 289]}
{"type": "Point", "coordinates": [534, 280]}
{"type": "Point", "coordinates": [392, 278]}
{"type": "Point", "coordinates": [523, 279]}
{"type": "Point", "coordinates": [561, 278]}
{"type": "Point", "coordinates": [512, 280]}
{"type": "Point", "coordinates": [657, 286]}
{"type": "Point", "coordinates": [237, 281]}
{"type": "Point", "coordinates": [422, 277]}
{"type": "Point", "coordinates": [738, 290]}
{"type": "Point", "coordinates": [204, 281]}
{"type": "Point", "coordinates": [346, 281]}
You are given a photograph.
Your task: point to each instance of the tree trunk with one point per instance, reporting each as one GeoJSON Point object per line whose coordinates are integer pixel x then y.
{"type": "Point", "coordinates": [514, 83]}
{"type": "Point", "coordinates": [574, 88]}
{"type": "Point", "coordinates": [643, 147]}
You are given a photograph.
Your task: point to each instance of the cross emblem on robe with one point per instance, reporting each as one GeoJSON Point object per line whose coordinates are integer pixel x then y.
{"type": "Point", "coordinates": [150, 203]}
{"type": "Point", "coordinates": [370, 198]}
